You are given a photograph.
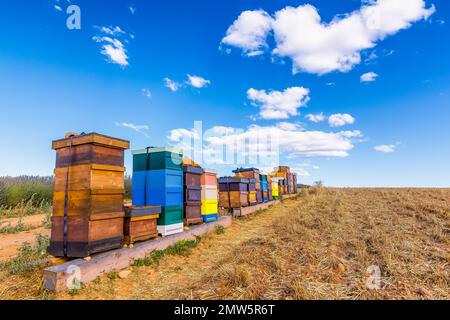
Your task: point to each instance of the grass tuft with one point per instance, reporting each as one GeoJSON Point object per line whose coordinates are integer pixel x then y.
{"type": "Point", "coordinates": [28, 259]}
{"type": "Point", "coordinates": [181, 248]}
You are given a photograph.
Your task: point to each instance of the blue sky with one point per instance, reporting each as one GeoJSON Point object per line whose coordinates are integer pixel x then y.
{"type": "Point", "coordinates": [258, 66]}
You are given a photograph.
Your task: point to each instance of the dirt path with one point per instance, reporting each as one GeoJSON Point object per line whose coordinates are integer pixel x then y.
{"type": "Point", "coordinates": [10, 243]}
{"type": "Point", "coordinates": [35, 220]}
{"type": "Point", "coordinates": [176, 273]}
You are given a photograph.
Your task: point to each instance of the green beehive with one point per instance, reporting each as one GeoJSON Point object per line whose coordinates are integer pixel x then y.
{"type": "Point", "coordinates": [171, 215]}
{"type": "Point", "coordinates": [157, 159]}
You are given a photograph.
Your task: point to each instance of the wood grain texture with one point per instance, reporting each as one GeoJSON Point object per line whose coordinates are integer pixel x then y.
{"type": "Point", "coordinates": [92, 138]}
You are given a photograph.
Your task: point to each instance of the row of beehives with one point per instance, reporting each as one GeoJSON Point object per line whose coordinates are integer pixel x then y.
{"type": "Point", "coordinates": [168, 192]}
{"type": "Point", "coordinates": [250, 187]}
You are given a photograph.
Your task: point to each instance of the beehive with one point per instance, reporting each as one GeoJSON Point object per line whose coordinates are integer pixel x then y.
{"type": "Point", "coordinates": [252, 192]}
{"type": "Point", "coordinates": [252, 174]}
{"type": "Point", "coordinates": [192, 194]}
{"type": "Point", "coordinates": [275, 189]}
{"type": "Point", "coordinates": [158, 181]}
{"type": "Point", "coordinates": [264, 188]}
{"type": "Point", "coordinates": [210, 200]}
{"type": "Point", "coordinates": [233, 192]}
{"type": "Point", "coordinates": [88, 214]}
{"type": "Point", "coordinates": [141, 223]}
{"type": "Point", "coordinates": [295, 184]}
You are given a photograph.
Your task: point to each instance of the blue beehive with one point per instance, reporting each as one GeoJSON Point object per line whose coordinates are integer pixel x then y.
{"type": "Point", "coordinates": [158, 180]}
{"type": "Point", "coordinates": [158, 187]}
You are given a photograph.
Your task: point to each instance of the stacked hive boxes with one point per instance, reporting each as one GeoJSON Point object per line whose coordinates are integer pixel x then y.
{"type": "Point", "coordinates": [193, 194]}
{"type": "Point", "coordinates": [158, 180]}
{"type": "Point", "coordinates": [269, 187]}
{"type": "Point", "coordinates": [252, 192]}
{"type": "Point", "coordinates": [252, 174]}
{"type": "Point", "coordinates": [141, 223]}
{"type": "Point", "coordinates": [210, 202]}
{"type": "Point", "coordinates": [233, 192]}
{"type": "Point", "coordinates": [275, 189]}
{"type": "Point", "coordinates": [264, 188]}
{"type": "Point", "coordinates": [295, 184]}
{"type": "Point", "coordinates": [88, 195]}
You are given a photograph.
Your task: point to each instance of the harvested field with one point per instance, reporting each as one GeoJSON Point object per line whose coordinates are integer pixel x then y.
{"type": "Point", "coordinates": [321, 245]}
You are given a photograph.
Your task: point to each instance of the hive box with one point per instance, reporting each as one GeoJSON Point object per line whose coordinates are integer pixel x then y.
{"type": "Point", "coordinates": [157, 187]}
{"type": "Point", "coordinates": [141, 223]}
{"type": "Point", "coordinates": [210, 207]}
{"type": "Point", "coordinates": [208, 218]}
{"type": "Point", "coordinates": [88, 214]}
{"type": "Point", "coordinates": [247, 173]}
{"type": "Point", "coordinates": [157, 159]}
{"type": "Point", "coordinates": [233, 199]}
{"type": "Point", "coordinates": [192, 194]}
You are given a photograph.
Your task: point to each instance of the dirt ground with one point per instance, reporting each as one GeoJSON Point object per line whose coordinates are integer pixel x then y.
{"type": "Point", "coordinates": [328, 244]}
{"type": "Point", "coordinates": [10, 243]}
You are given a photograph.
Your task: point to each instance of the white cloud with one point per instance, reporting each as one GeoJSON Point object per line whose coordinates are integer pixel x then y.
{"type": "Point", "coordinates": [289, 140]}
{"type": "Point", "coordinates": [289, 126]}
{"type": "Point", "coordinates": [316, 118]}
{"type": "Point", "coordinates": [138, 128]}
{"type": "Point", "coordinates": [386, 148]}
{"type": "Point", "coordinates": [369, 77]}
{"type": "Point", "coordinates": [172, 85]}
{"type": "Point", "coordinates": [318, 47]}
{"type": "Point", "coordinates": [249, 32]}
{"type": "Point", "coordinates": [339, 120]}
{"type": "Point", "coordinates": [58, 8]}
{"type": "Point", "coordinates": [112, 47]}
{"type": "Point", "coordinates": [111, 30]}
{"type": "Point", "coordinates": [197, 81]}
{"type": "Point", "coordinates": [279, 105]}
{"type": "Point", "coordinates": [147, 93]}
{"type": "Point", "coordinates": [132, 9]}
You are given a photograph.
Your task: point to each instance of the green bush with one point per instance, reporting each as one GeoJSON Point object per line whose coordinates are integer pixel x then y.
{"type": "Point", "coordinates": [21, 191]}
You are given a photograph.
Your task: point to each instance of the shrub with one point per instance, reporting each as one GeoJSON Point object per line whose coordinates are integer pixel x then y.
{"type": "Point", "coordinates": [25, 190]}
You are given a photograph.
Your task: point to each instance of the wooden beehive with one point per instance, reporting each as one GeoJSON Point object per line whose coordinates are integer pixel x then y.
{"type": "Point", "coordinates": [192, 194]}
{"type": "Point", "coordinates": [141, 223]}
{"type": "Point", "coordinates": [233, 199]}
{"type": "Point", "coordinates": [88, 214]}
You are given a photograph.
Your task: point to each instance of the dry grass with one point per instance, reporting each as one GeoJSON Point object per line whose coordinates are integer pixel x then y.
{"type": "Point", "coordinates": [322, 249]}
{"type": "Point", "coordinates": [318, 246]}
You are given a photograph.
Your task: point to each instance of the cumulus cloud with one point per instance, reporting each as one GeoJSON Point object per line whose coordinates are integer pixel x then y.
{"type": "Point", "coordinates": [113, 48]}
{"type": "Point", "coordinates": [138, 128]}
{"type": "Point", "coordinates": [316, 118]}
{"type": "Point", "coordinates": [369, 77]}
{"type": "Point", "coordinates": [339, 120]}
{"type": "Point", "coordinates": [249, 32]}
{"type": "Point", "coordinates": [318, 47]}
{"type": "Point", "coordinates": [386, 148]}
{"type": "Point", "coordinates": [263, 141]}
{"type": "Point", "coordinates": [276, 105]}
{"type": "Point", "coordinates": [197, 81]}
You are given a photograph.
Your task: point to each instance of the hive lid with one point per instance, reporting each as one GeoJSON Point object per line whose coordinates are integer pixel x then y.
{"type": "Point", "coordinates": [91, 138]}
{"type": "Point", "coordinates": [233, 180]}
{"type": "Point", "coordinates": [245, 170]}
{"type": "Point", "coordinates": [191, 169]}
{"type": "Point", "coordinates": [136, 211]}
{"type": "Point", "coordinates": [157, 150]}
